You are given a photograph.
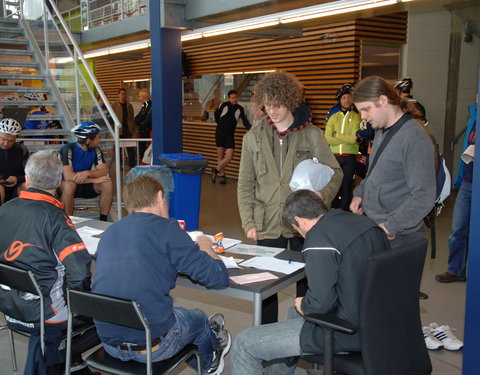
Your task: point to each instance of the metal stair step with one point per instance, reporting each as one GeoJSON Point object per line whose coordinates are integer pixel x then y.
{"type": "Point", "coordinates": [15, 52]}
{"type": "Point", "coordinates": [11, 30]}
{"type": "Point", "coordinates": [26, 133]}
{"type": "Point", "coordinates": [22, 76]}
{"type": "Point", "coordinates": [17, 41]}
{"type": "Point", "coordinates": [19, 64]}
{"type": "Point", "coordinates": [47, 117]}
{"type": "Point", "coordinates": [28, 103]}
{"type": "Point", "coordinates": [23, 89]}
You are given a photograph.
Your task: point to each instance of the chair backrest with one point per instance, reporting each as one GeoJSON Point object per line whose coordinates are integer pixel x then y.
{"type": "Point", "coordinates": [390, 328]}
{"type": "Point", "coordinates": [24, 281]}
{"type": "Point", "coordinates": [105, 308]}
{"type": "Point", "coordinates": [18, 279]}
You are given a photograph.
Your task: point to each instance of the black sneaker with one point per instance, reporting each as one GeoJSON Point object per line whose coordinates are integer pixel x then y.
{"type": "Point", "coordinates": [217, 322]}
{"type": "Point", "coordinates": [214, 174]}
{"type": "Point", "coordinates": [218, 362]}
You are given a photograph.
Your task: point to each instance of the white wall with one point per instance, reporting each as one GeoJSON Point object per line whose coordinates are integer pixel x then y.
{"type": "Point", "coordinates": [425, 60]}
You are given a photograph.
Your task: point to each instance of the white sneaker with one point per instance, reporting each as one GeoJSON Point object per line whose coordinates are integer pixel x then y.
{"type": "Point", "coordinates": [431, 342]}
{"type": "Point", "coordinates": [445, 335]}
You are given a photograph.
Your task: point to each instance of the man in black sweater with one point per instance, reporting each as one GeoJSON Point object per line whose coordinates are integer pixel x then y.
{"type": "Point", "coordinates": [336, 250]}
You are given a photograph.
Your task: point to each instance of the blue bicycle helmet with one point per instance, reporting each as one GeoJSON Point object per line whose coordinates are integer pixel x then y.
{"type": "Point", "coordinates": [86, 130]}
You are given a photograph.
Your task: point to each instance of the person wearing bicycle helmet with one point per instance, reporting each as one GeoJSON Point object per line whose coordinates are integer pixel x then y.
{"type": "Point", "coordinates": [13, 158]}
{"type": "Point", "coordinates": [85, 173]}
{"type": "Point", "coordinates": [340, 133]}
{"type": "Point", "coordinates": [404, 87]}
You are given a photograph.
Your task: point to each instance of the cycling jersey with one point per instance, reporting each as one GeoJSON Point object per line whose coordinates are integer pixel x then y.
{"type": "Point", "coordinates": [80, 160]}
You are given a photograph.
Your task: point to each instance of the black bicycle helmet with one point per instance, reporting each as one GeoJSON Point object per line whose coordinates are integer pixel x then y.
{"type": "Point", "coordinates": [405, 85]}
{"type": "Point", "coordinates": [345, 89]}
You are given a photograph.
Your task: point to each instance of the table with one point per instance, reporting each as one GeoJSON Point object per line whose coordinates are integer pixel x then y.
{"type": "Point", "coordinates": [255, 292]}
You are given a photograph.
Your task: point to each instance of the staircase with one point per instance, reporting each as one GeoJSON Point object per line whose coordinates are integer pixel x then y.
{"type": "Point", "coordinates": [25, 86]}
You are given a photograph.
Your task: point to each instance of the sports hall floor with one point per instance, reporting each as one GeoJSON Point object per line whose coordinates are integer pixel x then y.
{"type": "Point", "coordinates": [218, 212]}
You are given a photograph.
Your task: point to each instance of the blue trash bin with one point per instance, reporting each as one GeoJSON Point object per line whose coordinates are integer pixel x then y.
{"type": "Point", "coordinates": [187, 169]}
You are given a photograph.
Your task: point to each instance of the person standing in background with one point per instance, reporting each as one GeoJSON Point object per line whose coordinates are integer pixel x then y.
{"type": "Point", "coordinates": [124, 111]}
{"type": "Point", "coordinates": [458, 240]}
{"type": "Point", "coordinates": [226, 117]}
{"type": "Point", "coordinates": [143, 119]}
{"type": "Point", "coordinates": [340, 133]}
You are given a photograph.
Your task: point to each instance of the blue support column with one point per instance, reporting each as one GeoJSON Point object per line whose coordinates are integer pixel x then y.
{"type": "Point", "coordinates": [166, 70]}
{"type": "Point", "coordinates": [472, 310]}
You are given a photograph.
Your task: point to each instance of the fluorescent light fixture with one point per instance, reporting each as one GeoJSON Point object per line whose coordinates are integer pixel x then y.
{"type": "Point", "coordinates": [337, 7]}
{"type": "Point", "coordinates": [301, 14]}
{"type": "Point", "coordinates": [260, 71]}
{"type": "Point", "coordinates": [137, 80]}
{"type": "Point", "coordinates": [241, 27]}
{"type": "Point", "coordinates": [192, 36]}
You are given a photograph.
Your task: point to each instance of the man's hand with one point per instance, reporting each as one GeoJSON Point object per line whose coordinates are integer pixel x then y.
{"type": "Point", "coordinates": [81, 177]}
{"type": "Point", "coordinates": [298, 305]}
{"type": "Point", "coordinates": [205, 244]}
{"type": "Point", "coordinates": [252, 234]}
{"type": "Point", "coordinates": [99, 180]}
{"type": "Point", "coordinates": [356, 206]}
{"type": "Point", "coordinates": [10, 181]}
{"type": "Point", "coordinates": [390, 236]}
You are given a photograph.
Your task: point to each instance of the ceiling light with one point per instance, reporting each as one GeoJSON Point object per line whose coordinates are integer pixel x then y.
{"type": "Point", "coordinates": [316, 11]}
{"type": "Point", "coordinates": [337, 7]}
{"type": "Point", "coordinates": [241, 27]}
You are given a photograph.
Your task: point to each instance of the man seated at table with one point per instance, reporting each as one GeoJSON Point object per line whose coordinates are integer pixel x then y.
{"type": "Point", "coordinates": [38, 236]}
{"type": "Point", "coordinates": [139, 258]}
{"type": "Point", "coordinates": [336, 249]}
{"type": "Point", "coordinates": [13, 157]}
{"type": "Point", "coordinates": [84, 170]}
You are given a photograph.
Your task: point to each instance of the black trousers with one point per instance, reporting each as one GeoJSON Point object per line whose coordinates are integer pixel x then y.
{"type": "Point", "coordinates": [348, 163]}
{"type": "Point", "coordinates": [270, 304]}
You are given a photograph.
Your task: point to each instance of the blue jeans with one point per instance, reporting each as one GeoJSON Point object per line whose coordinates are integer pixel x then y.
{"type": "Point", "coordinates": [191, 326]}
{"type": "Point", "coordinates": [273, 343]}
{"type": "Point", "coordinates": [458, 241]}
{"type": "Point", "coordinates": [405, 239]}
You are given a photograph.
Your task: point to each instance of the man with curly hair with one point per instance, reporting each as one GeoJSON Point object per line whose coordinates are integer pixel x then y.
{"type": "Point", "coordinates": [270, 152]}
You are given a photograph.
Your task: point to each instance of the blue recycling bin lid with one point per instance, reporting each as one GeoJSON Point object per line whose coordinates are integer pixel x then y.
{"type": "Point", "coordinates": [184, 162]}
{"type": "Point", "coordinates": [182, 156]}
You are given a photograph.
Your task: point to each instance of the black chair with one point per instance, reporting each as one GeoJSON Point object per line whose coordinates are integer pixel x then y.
{"type": "Point", "coordinates": [23, 281]}
{"type": "Point", "coordinates": [125, 313]}
{"type": "Point", "coordinates": [390, 329]}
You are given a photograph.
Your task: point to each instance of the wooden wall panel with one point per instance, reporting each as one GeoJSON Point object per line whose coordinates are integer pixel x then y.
{"type": "Point", "coordinates": [324, 58]}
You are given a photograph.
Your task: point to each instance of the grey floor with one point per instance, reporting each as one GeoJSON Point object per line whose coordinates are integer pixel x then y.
{"type": "Point", "coordinates": [218, 212]}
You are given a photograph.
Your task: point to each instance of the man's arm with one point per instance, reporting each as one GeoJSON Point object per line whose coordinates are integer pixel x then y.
{"type": "Point", "coordinates": [187, 257]}
{"type": "Point", "coordinates": [246, 187]}
{"type": "Point", "coordinates": [321, 270]}
{"type": "Point", "coordinates": [71, 251]}
{"type": "Point", "coordinates": [244, 118]}
{"type": "Point", "coordinates": [419, 168]}
{"type": "Point", "coordinates": [85, 177]}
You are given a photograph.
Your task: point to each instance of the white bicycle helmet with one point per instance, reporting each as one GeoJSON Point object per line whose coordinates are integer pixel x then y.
{"type": "Point", "coordinates": [10, 126]}
{"type": "Point", "coordinates": [33, 96]}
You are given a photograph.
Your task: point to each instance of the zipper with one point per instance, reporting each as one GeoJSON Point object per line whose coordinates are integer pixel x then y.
{"type": "Point", "coordinates": [281, 155]}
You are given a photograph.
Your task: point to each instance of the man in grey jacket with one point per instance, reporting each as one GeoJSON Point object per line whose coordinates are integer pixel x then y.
{"type": "Point", "coordinates": [399, 190]}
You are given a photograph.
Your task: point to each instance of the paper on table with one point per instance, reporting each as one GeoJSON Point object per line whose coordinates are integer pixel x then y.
{"type": "Point", "coordinates": [253, 278]}
{"type": "Point", "coordinates": [273, 264]}
{"type": "Point", "coordinates": [87, 235]}
{"type": "Point", "coordinates": [76, 219]}
{"type": "Point", "coordinates": [229, 262]}
{"type": "Point", "coordinates": [255, 250]}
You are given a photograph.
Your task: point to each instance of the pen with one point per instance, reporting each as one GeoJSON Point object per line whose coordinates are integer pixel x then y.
{"type": "Point", "coordinates": [289, 260]}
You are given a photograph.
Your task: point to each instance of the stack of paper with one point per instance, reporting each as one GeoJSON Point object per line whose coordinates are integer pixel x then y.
{"type": "Point", "coordinates": [273, 264]}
